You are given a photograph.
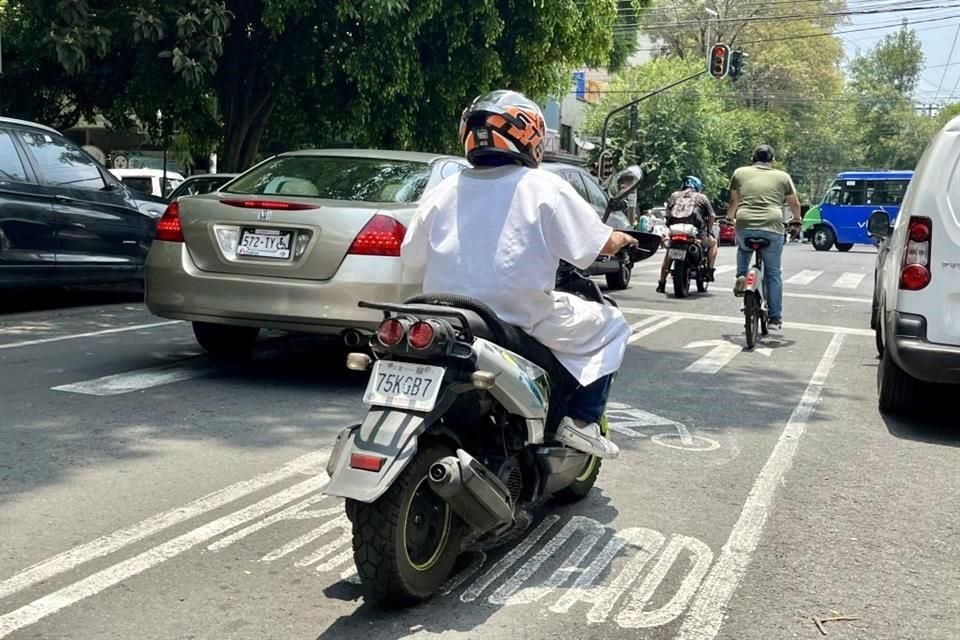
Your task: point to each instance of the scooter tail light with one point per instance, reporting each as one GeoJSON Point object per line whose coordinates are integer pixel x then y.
{"type": "Point", "coordinates": [421, 335]}
{"type": "Point", "coordinates": [391, 332]}
{"type": "Point", "coordinates": [366, 462]}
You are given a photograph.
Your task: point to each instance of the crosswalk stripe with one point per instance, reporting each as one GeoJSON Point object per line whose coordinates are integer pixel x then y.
{"type": "Point", "coordinates": [727, 268]}
{"type": "Point", "coordinates": [139, 379]}
{"type": "Point", "coordinates": [804, 277]}
{"type": "Point", "coordinates": [849, 280]}
{"type": "Point", "coordinates": [641, 330]}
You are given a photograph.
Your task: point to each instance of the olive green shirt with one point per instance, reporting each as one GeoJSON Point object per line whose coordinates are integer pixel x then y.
{"type": "Point", "coordinates": [762, 190]}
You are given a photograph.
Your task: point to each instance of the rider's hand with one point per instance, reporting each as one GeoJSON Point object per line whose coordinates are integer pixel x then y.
{"type": "Point", "coordinates": [616, 242]}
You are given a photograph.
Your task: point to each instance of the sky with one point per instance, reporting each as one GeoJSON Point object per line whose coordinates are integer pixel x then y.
{"type": "Point", "coordinates": [937, 34]}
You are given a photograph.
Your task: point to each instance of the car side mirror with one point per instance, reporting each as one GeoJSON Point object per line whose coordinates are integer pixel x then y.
{"type": "Point", "coordinates": [878, 224]}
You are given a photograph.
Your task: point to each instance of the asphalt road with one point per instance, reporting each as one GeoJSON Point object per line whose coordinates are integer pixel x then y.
{"type": "Point", "coordinates": [148, 492]}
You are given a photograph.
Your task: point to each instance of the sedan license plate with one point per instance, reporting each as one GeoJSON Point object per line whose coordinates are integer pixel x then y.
{"type": "Point", "coordinates": [678, 254]}
{"type": "Point", "coordinates": [404, 385]}
{"type": "Point", "coordinates": [265, 243]}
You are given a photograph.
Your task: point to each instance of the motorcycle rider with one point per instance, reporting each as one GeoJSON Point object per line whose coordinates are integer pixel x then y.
{"type": "Point", "coordinates": [497, 233]}
{"type": "Point", "coordinates": [690, 206]}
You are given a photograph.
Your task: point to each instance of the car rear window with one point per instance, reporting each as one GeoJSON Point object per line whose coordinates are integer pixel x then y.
{"type": "Point", "coordinates": [336, 178]}
{"type": "Point", "coordinates": [144, 185]}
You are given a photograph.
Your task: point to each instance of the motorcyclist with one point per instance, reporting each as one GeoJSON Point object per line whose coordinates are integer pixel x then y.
{"type": "Point", "coordinates": [497, 233]}
{"type": "Point", "coordinates": [690, 206]}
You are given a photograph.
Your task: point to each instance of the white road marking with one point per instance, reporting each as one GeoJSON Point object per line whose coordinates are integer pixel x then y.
{"type": "Point", "coordinates": [849, 280]}
{"type": "Point", "coordinates": [802, 326]}
{"type": "Point", "coordinates": [139, 379]}
{"type": "Point", "coordinates": [708, 609]}
{"type": "Point", "coordinates": [633, 615]}
{"type": "Point", "coordinates": [310, 464]}
{"type": "Point", "coordinates": [816, 296]}
{"type": "Point", "coordinates": [643, 333]}
{"type": "Point", "coordinates": [97, 582]}
{"type": "Point", "coordinates": [294, 512]}
{"type": "Point", "coordinates": [727, 268]}
{"type": "Point", "coordinates": [644, 543]}
{"type": "Point", "coordinates": [805, 277]}
{"type": "Point", "coordinates": [90, 334]}
{"type": "Point", "coordinates": [717, 358]}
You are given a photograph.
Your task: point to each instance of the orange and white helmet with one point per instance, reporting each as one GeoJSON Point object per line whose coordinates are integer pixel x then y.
{"type": "Point", "coordinates": [503, 124]}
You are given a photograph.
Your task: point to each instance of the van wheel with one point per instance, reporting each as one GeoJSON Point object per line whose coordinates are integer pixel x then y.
{"type": "Point", "coordinates": [844, 246]}
{"type": "Point", "coordinates": [878, 337]}
{"type": "Point", "coordinates": [823, 238]}
{"type": "Point", "coordinates": [896, 388]}
{"type": "Point", "coordinates": [225, 339]}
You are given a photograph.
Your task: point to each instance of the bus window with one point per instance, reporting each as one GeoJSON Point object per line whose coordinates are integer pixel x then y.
{"type": "Point", "coordinates": [854, 193]}
{"type": "Point", "coordinates": [895, 191]}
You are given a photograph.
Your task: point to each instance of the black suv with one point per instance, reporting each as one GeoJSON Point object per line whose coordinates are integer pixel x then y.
{"type": "Point", "coordinates": [64, 219]}
{"type": "Point", "coordinates": [616, 269]}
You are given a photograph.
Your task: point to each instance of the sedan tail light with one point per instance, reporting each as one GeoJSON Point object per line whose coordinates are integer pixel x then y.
{"type": "Point", "coordinates": [273, 205]}
{"type": "Point", "coordinates": [169, 228]}
{"type": "Point", "coordinates": [382, 236]}
{"type": "Point", "coordinates": [915, 271]}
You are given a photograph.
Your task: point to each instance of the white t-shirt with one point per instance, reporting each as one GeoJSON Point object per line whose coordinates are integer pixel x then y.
{"type": "Point", "coordinates": [497, 235]}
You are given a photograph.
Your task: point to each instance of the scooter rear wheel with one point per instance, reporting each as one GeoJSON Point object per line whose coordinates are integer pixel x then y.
{"type": "Point", "coordinates": [681, 280]}
{"type": "Point", "coordinates": [406, 542]}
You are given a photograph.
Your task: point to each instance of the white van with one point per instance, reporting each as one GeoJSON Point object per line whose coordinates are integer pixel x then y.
{"type": "Point", "coordinates": [918, 278]}
{"type": "Point", "coordinates": [148, 180]}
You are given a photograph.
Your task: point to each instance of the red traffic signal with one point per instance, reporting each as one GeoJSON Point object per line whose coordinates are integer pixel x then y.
{"type": "Point", "coordinates": [719, 63]}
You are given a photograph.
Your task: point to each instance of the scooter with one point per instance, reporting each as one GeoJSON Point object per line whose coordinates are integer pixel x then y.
{"type": "Point", "coordinates": [689, 260]}
{"type": "Point", "coordinates": [456, 448]}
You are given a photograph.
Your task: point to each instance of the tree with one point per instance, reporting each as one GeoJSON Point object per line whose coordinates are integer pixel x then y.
{"type": "Point", "coordinates": [375, 72]}
{"type": "Point", "coordinates": [891, 133]}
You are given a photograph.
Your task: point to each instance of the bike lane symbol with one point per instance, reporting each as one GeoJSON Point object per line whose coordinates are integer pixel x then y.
{"type": "Point", "coordinates": [637, 423]}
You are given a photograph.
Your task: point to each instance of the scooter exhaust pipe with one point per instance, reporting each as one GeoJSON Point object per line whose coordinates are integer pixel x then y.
{"type": "Point", "coordinates": [472, 491]}
{"type": "Point", "coordinates": [352, 338]}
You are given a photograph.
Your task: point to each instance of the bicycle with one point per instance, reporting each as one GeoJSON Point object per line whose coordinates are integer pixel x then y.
{"type": "Point", "coordinates": [754, 306]}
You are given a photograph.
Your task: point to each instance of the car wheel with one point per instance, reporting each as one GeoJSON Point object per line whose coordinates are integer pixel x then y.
{"type": "Point", "coordinates": [878, 338]}
{"type": "Point", "coordinates": [224, 339]}
{"type": "Point", "coordinates": [896, 388]}
{"type": "Point", "coordinates": [621, 279]}
{"type": "Point", "coordinates": [823, 238]}
{"type": "Point", "coordinates": [844, 246]}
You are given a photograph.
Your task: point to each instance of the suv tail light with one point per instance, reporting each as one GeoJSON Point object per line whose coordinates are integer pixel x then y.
{"type": "Point", "coordinates": [915, 271]}
{"type": "Point", "coordinates": [382, 236]}
{"type": "Point", "coordinates": [169, 228]}
{"type": "Point", "coordinates": [391, 332]}
{"type": "Point", "coordinates": [421, 335]}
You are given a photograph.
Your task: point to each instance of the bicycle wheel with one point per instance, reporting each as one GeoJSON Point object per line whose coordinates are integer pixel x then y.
{"type": "Point", "coordinates": [751, 314]}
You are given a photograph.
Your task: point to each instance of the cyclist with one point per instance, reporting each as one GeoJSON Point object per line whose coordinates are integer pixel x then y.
{"type": "Point", "coordinates": [690, 206]}
{"type": "Point", "coordinates": [757, 195]}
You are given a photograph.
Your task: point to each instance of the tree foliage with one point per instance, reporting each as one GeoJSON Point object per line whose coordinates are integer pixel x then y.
{"type": "Point", "coordinates": [375, 72]}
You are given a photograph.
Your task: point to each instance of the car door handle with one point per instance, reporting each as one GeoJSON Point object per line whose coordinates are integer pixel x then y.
{"type": "Point", "coordinates": [64, 199]}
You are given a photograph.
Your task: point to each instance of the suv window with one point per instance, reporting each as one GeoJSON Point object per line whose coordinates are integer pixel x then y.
{"type": "Point", "coordinates": [574, 179]}
{"type": "Point", "coordinates": [597, 197]}
{"type": "Point", "coordinates": [11, 167]}
{"type": "Point", "coordinates": [62, 163]}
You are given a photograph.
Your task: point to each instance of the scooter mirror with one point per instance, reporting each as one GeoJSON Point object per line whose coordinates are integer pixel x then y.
{"type": "Point", "coordinates": [623, 183]}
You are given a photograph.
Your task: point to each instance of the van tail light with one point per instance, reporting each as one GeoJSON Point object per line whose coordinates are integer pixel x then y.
{"type": "Point", "coordinates": [421, 335]}
{"type": "Point", "coordinates": [169, 228]}
{"type": "Point", "coordinates": [382, 236]}
{"type": "Point", "coordinates": [391, 332]}
{"type": "Point", "coordinates": [915, 271]}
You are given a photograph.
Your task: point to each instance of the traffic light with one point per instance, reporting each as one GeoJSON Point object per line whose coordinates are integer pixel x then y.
{"type": "Point", "coordinates": [738, 59]}
{"type": "Point", "coordinates": [606, 169]}
{"type": "Point", "coordinates": [719, 60]}
{"type": "Point", "coordinates": [595, 169]}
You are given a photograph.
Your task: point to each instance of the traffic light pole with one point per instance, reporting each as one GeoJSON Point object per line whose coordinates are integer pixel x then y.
{"type": "Point", "coordinates": [606, 121]}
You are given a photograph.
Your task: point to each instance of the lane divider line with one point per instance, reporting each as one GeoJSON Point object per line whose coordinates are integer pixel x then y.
{"type": "Point", "coordinates": [89, 334]}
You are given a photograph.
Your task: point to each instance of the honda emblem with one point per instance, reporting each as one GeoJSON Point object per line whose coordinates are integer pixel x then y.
{"type": "Point", "coordinates": [264, 214]}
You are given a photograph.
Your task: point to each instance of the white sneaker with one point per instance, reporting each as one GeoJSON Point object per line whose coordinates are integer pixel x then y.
{"type": "Point", "coordinates": [587, 439]}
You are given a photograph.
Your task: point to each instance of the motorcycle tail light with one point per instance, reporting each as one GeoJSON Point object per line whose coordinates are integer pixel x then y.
{"type": "Point", "coordinates": [421, 335]}
{"type": "Point", "coordinates": [366, 462]}
{"type": "Point", "coordinates": [679, 238]}
{"type": "Point", "coordinates": [390, 332]}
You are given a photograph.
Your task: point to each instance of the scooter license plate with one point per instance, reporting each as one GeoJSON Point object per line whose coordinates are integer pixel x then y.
{"type": "Point", "coordinates": [678, 254]}
{"type": "Point", "coordinates": [403, 385]}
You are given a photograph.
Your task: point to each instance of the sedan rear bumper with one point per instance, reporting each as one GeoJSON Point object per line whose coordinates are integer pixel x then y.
{"type": "Point", "coordinates": [176, 288]}
{"type": "Point", "coordinates": [923, 360]}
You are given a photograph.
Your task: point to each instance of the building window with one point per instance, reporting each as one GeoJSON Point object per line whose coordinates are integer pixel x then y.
{"type": "Point", "coordinates": [566, 138]}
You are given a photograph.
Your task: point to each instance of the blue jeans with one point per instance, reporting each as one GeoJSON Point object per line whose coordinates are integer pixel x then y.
{"type": "Point", "coordinates": [772, 275]}
{"type": "Point", "coordinates": [588, 403]}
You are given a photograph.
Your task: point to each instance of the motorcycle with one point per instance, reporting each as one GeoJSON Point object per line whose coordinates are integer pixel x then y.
{"type": "Point", "coordinates": [689, 260]}
{"type": "Point", "coordinates": [455, 449]}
